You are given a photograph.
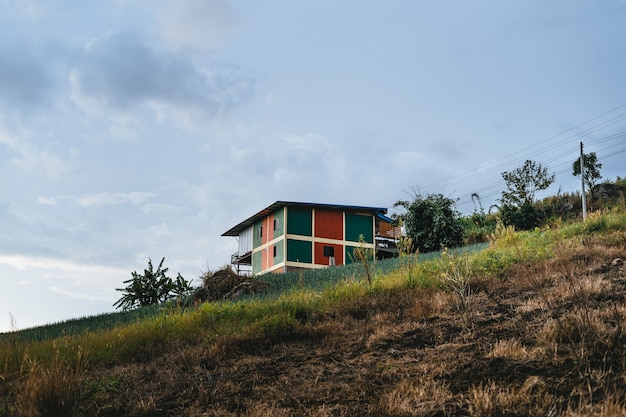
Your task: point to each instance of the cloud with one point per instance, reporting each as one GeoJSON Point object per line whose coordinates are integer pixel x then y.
{"type": "Point", "coordinates": [122, 70]}
{"type": "Point", "coordinates": [30, 158]}
{"type": "Point", "coordinates": [108, 199]}
{"type": "Point", "coordinates": [24, 78]}
{"type": "Point", "coordinates": [35, 10]}
{"type": "Point", "coordinates": [90, 282]}
{"type": "Point", "coordinates": [200, 24]}
{"type": "Point", "coordinates": [100, 199]}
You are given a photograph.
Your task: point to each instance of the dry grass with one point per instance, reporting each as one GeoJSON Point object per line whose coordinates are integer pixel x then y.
{"type": "Point", "coordinates": [52, 390]}
{"type": "Point", "coordinates": [417, 397]}
{"type": "Point", "coordinates": [548, 337]}
{"type": "Point", "coordinates": [531, 399]}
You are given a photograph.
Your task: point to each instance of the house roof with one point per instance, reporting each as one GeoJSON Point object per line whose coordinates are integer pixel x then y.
{"type": "Point", "coordinates": [234, 231]}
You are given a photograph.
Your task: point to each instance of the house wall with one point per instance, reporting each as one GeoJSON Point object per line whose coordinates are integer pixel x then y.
{"type": "Point", "coordinates": [245, 241]}
{"type": "Point", "coordinates": [296, 237]}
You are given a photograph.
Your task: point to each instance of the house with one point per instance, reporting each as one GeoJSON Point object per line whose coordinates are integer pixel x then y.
{"type": "Point", "coordinates": [289, 236]}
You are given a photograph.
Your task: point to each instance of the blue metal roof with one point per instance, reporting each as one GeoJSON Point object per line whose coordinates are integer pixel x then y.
{"type": "Point", "coordinates": [234, 231]}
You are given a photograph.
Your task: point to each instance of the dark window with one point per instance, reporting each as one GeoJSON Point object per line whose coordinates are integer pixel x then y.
{"type": "Point", "coordinates": [329, 251]}
{"type": "Point", "coordinates": [275, 251]}
{"type": "Point", "coordinates": [261, 231]}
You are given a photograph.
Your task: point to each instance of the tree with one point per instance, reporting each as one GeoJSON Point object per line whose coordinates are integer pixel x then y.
{"type": "Point", "coordinates": [152, 287]}
{"type": "Point", "coordinates": [592, 169]}
{"type": "Point", "coordinates": [523, 183]}
{"type": "Point", "coordinates": [432, 222]}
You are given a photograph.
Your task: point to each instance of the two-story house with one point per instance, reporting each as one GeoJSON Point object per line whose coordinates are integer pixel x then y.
{"type": "Point", "coordinates": [290, 235]}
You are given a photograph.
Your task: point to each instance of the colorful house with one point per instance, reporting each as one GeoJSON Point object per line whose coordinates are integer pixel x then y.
{"type": "Point", "coordinates": [288, 236]}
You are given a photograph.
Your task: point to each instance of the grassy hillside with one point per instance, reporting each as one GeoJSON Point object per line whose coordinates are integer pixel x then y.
{"type": "Point", "coordinates": [532, 325]}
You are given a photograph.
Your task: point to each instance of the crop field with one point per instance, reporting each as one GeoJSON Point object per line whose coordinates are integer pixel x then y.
{"type": "Point", "coordinates": [279, 284]}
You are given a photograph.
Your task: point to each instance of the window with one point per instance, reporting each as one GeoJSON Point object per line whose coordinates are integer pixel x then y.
{"type": "Point", "coordinates": [276, 224]}
{"type": "Point", "coordinates": [329, 251]}
{"type": "Point", "coordinates": [275, 251]}
{"type": "Point", "coordinates": [261, 231]}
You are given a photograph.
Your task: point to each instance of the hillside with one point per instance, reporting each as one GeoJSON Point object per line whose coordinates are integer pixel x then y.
{"type": "Point", "coordinates": [533, 325]}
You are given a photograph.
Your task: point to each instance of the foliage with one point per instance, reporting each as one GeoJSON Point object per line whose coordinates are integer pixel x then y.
{"type": "Point", "coordinates": [523, 183]}
{"type": "Point", "coordinates": [365, 256]}
{"type": "Point", "coordinates": [477, 227]}
{"type": "Point", "coordinates": [456, 275]}
{"type": "Point", "coordinates": [153, 287]}
{"type": "Point", "coordinates": [432, 222]}
{"type": "Point", "coordinates": [592, 169]}
{"type": "Point", "coordinates": [526, 217]}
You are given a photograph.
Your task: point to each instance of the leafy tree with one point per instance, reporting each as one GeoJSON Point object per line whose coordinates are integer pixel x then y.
{"type": "Point", "coordinates": [152, 287]}
{"type": "Point", "coordinates": [432, 222]}
{"type": "Point", "coordinates": [592, 169]}
{"type": "Point", "coordinates": [523, 183]}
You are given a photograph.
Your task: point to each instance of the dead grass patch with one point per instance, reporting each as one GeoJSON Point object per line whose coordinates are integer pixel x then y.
{"type": "Point", "coordinates": [417, 397]}
{"type": "Point", "coordinates": [531, 399]}
{"type": "Point", "coordinates": [509, 348]}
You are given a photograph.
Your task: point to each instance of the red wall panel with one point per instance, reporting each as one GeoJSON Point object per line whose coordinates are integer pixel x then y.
{"type": "Point", "coordinates": [329, 224]}
{"type": "Point", "coordinates": [320, 259]}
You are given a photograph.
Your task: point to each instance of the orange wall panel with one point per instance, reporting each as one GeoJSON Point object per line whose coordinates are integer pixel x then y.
{"type": "Point", "coordinates": [329, 224]}
{"type": "Point", "coordinates": [320, 259]}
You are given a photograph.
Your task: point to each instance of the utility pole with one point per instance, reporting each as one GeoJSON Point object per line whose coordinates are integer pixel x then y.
{"type": "Point", "coordinates": [582, 180]}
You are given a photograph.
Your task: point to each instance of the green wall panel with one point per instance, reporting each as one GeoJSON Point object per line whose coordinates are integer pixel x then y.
{"type": "Point", "coordinates": [257, 240]}
{"type": "Point", "coordinates": [357, 225]}
{"type": "Point", "coordinates": [280, 252]}
{"type": "Point", "coordinates": [350, 258]}
{"type": "Point", "coordinates": [299, 250]}
{"type": "Point", "coordinates": [257, 262]}
{"type": "Point", "coordinates": [279, 216]}
{"type": "Point", "coordinates": [300, 221]}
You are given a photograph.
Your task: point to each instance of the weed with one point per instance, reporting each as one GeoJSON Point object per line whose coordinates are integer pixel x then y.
{"type": "Point", "coordinates": [456, 276]}
{"type": "Point", "coordinates": [365, 256]}
{"type": "Point", "coordinates": [51, 390]}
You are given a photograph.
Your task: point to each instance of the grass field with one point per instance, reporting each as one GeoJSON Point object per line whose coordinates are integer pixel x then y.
{"type": "Point", "coordinates": [533, 324]}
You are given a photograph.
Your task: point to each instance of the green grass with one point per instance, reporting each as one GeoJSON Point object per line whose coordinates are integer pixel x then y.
{"type": "Point", "coordinates": [285, 311]}
{"type": "Point", "coordinates": [83, 325]}
{"type": "Point", "coordinates": [320, 279]}
{"type": "Point", "coordinates": [279, 284]}
{"type": "Point", "coordinates": [289, 303]}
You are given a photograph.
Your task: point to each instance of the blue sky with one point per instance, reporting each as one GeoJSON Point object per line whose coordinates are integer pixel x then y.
{"type": "Point", "coordinates": [136, 129]}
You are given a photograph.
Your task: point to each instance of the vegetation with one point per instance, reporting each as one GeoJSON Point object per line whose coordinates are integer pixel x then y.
{"type": "Point", "coordinates": [153, 287]}
{"type": "Point", "coordinates": [592, 169]}
{"type": "Point", "coordinates": [534, 324]}
{"type": "Point", "coordinates": [432, 222]}
{"type": "Point", "coordinates": [523, 183]}
{"type": "Point", "coordinates": [517, 201]}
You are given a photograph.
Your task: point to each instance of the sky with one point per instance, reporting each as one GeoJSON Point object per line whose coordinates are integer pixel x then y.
{"type": "Point", "coordinates": [140, 129]}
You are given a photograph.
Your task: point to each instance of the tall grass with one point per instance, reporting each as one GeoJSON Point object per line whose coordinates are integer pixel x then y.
{"type": "Point", "coordinates": [320, 279]}
{"type": "Point", "coordinates": [285, 310]}
{"type": "Point", "coordinates": [82, 325]}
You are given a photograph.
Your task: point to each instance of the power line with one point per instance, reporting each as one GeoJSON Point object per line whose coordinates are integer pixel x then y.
{"type": "Point", "coordinates": [561, 159]}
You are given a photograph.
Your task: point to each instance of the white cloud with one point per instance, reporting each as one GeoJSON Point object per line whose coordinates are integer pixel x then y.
{"type": "Point", "coordinates": [200, 24]}
{"type": "Point", "coordinates": [33, 9]}
{"type": "Point", "coordinates": [100, 199]}
{"type": "Point", "coordinates": [110, 199]}
{"type": "Point", "coordinates": [47, 201]}
{"type": "Point", "coordinates": [89, 282]}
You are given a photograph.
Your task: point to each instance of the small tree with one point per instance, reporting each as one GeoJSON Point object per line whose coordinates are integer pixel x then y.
{"type": "Point", "coordinates": [524, 182]}
{"type": "Point", "coordinates": [152, 287]}
{"type": "Point", "coordinates": [592, 169]}
{"type": "Point", "coordinates": [432, 222]}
